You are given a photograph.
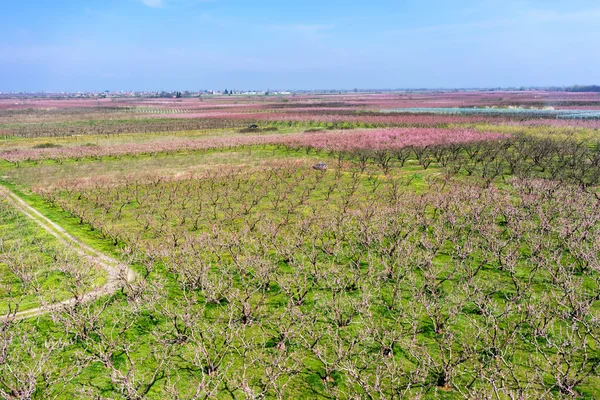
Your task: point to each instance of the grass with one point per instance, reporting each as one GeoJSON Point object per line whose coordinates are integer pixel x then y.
{"type": "Point", "coordinates": [49, 173]}
{"type": "Point", "coordinates": [558, 133]}
{"type": "Point", "coordinates": [16, 143]}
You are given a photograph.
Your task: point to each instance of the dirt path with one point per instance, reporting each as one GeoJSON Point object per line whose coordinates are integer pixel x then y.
{"type": "Point", "coordinates": [114, 269]}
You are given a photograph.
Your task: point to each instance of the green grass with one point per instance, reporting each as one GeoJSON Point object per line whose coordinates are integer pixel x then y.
{"type": "Point", "coordinates": [48, 173]}
{"type": "Point", "coordinates": [16, 143]}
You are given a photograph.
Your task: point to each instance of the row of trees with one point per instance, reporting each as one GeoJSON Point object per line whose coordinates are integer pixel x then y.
{"type": "Point", "coordinates": [112, 127]}
{"type": "Point", "coordinates": [523, 156]}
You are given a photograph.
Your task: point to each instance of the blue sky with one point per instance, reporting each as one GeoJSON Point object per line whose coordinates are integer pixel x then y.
{"type": "Point", "coordinates": [77, 45]}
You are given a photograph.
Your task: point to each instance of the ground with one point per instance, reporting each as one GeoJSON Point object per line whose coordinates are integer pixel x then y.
{"type": "Point", "coordinates": [436, 257]}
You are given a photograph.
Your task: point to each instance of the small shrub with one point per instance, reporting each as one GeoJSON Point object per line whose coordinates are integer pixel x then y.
{"type": "Point", "coordinates": [47, 146]}
{"type": "Point", "coordinates": [254, 130]}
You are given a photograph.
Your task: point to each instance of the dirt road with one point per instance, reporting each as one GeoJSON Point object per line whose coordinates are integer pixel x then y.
{"type": "Point", "coordinates": [114, 269]}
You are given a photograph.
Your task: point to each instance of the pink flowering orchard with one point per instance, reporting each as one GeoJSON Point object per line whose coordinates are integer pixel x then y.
{"type": "Point", "coordinates": [387, 139]}
{"type": "Point", "coordinates": [373, 139]}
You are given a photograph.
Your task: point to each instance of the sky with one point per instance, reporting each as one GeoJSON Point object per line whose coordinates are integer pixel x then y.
{"type": "Point", "coordinates": [92, 45]}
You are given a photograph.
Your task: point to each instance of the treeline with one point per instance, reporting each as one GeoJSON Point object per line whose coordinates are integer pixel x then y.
{"type": "Point", "coordinates": [578, 88]}
{"type": "Point", "coordinates": [116, 127]}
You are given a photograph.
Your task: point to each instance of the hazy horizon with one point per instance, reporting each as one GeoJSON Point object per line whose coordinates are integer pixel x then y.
{"type": "Point", "coordinates": [324, 91]}
{"type": "Point", "coordinates": [145, 45]}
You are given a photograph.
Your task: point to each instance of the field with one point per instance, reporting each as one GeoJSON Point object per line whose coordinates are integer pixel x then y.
{"type": "Point", "coordinates": [398, 245]}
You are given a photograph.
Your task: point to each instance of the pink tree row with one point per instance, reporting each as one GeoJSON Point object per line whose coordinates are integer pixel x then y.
{"type": "Point", "coordinates": [378, 139]}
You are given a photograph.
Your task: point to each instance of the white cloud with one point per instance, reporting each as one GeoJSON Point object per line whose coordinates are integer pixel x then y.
{"type": "Point", "coordinates": [450, 28]}
{"type": "Point", "coordinates": [174, 3]}
{"type": "Point", "coordinates": [302, 28]}
{"type": "Point", "coordinates": [591, 15]}
{"type": "Point", "coordinates": [528, 17]}
{"type": "Point", "coordinates": [153, 3]}
{"type": "Point", "coordinates": [309, 32]}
